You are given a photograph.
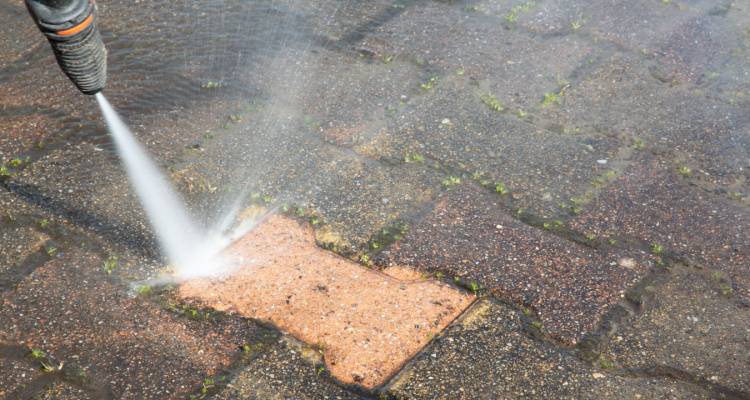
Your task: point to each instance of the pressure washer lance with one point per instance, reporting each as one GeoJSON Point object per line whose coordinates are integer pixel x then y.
{"type": "Point", "coordinates": [70, 27]}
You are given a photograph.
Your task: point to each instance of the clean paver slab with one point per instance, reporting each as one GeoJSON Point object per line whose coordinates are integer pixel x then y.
{"type": "Point", "coordinates": [366, 323]}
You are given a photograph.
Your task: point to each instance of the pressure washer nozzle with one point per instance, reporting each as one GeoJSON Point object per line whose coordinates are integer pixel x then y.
{"type": "Point", "coordinates": [70, 27]}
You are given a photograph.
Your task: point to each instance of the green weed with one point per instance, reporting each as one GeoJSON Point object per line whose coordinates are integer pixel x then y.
{"type": "Point", "coordinates": [578, 24]}
{"type": "Point", "coordinates": [451, 181]}
{"type": "Point", "coordinates": [211, 85]}
{"type": "Point", "coordinates": [411, 158]}
{"type": "Point", "coordinates": [500, 188]}
{"type": "Point", "coordinates": [605, 363]}
{"type": "Point", "coordinates": [513, 14]}
{"type": "Point", "coordinates": [143, 290]}
{"type": "Point", "coordinates": [684, 171]}
{"type": "Point", "coordinates": [429, 84]}
{"type": "Point", "coordinates": [110, 264]}
{"type": "Point", "coordinates": [550, 99]}
{"type": "Point", "coordinates": [656, 248]}
{"type": "Point", "coordinates": [492, 102]}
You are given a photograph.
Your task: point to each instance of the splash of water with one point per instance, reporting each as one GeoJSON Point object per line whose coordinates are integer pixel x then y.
{"type": "Point", "coordinates": [192, 251]}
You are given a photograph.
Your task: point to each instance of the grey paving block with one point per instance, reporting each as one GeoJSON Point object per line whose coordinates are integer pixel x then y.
{"type": "Point", "coordinates": [467, 235]}
{"type": "Point", "coordinates": [445, 38]}
{"type": "Point", "coordinates": [655, 205]}
{"type": "Point", "coordinates": [487, 356]}
{"type": "Point", "coordinates": [75, 312]}
{"type": "Point", "coordinates": [454, 128]}
{"type": "Point", "coordinates": [693, 325]}
{"type": "Point", "coordinates": [622, 98]}
{"type": "Point", "coordinates": [287, 370]}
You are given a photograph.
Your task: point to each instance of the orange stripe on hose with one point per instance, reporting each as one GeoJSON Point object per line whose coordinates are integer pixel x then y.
{"type": "Point", "coordinates": [83, 25]}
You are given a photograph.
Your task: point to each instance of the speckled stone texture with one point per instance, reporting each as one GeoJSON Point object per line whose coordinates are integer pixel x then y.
{"type": "Point", "coordinates": [652, 203]}
{"type": "Point", "coordinates": [485, 356]}
{"type": "Point", "coordinates": [128, 347]}
{"type": "Point", "coordinates": [692, 326]}
{"type": "Point", "coordinates": [468, 235]}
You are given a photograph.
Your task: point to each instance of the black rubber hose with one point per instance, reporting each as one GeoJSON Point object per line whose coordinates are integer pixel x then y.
{"type": "Point", "coordinates": [70, 27]}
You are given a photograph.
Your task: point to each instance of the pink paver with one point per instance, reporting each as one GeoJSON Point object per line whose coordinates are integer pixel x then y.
{"type": "Point", "coordinates": [367, 323]}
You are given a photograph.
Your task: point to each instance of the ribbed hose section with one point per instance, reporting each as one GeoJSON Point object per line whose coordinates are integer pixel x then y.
{"type": "Point", "coordinates": [83, 58]}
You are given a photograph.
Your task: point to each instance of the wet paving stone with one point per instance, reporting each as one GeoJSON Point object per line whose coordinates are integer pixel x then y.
{"type": "Point", "coordinates": [18, 369]}
{"type": "Point", "coordinates": [285, 371]}
{"type": "Point", "coordinates": [693, 325]}
{"type": "Point", "coordinates": [452, 128]}
{"type": "Point", "coordinates": [621, 98]}
{"type": "Point", "coordinates": [655, 29]}
{"type": "Point", "coordinates": [655, 205]}
{"type": "Point", "coordinates": [22, 37]}
{"type": "Point", "coordinates": [367, 324]}
{"type": "Point", "coordinates": [18, 243]}
{"type": "Point", "coordinates": [728, 76]}
{"type": "Point", "coordinates": [352, 195]}
{"type": "Point", "coordinates": [349, 99]}
{"type": "Point", "coordinates": [486, 355]}
{"type": "Point", "coordinates": [127, 346]}
{"type": "Point", "coordinates": [468, 235]}
{"type": "Point", "coordinates": [515, 67]}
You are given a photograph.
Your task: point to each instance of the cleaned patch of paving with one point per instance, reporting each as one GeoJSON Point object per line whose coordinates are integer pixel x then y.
{"type": "Point", "coordinates": [128, 346]}
{"type": "Point", "coordinates": [469, 236]}
{"type": "Point", "coordinates": [657, 206]}
{"type": "Point", "coordinates": [366, 323]}
{"type": "Point", "coordinates": [692, 325]}
{"type": "Point", "coordinates": [286, 370]}
{"type": "Point", "coordinates": [487, 355]}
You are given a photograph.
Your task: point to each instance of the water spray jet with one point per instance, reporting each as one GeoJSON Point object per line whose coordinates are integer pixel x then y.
{"type": "Point", "coordinates": [70, 27]}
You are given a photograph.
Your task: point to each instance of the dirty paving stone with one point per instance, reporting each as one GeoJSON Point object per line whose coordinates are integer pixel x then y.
{"type": "Point", "coordinates": [453, 126]}
{"type": "Point", "coordinates": [621, 98]}
{"type": "Point", "coordinates": [446, 40]}
{"type": "Point", "coordinates": [18, 369]}
{"type": "Point", "coordinates": [487, 355]}
{"type": "Point", "coordinates": [468, 235]}
{"type": "Point", "coordinates": [18, 243]}
{"type": "Point", "coordinates": [655, 205]}
{"type": "Point", "coordinates": [352, 195]}
{"type": "Point", "coordinates": [286, 370]}
{"type": "Point", "coordinates": [692, 323]}
{"type": "Point", "coordinates": [131, 347]}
